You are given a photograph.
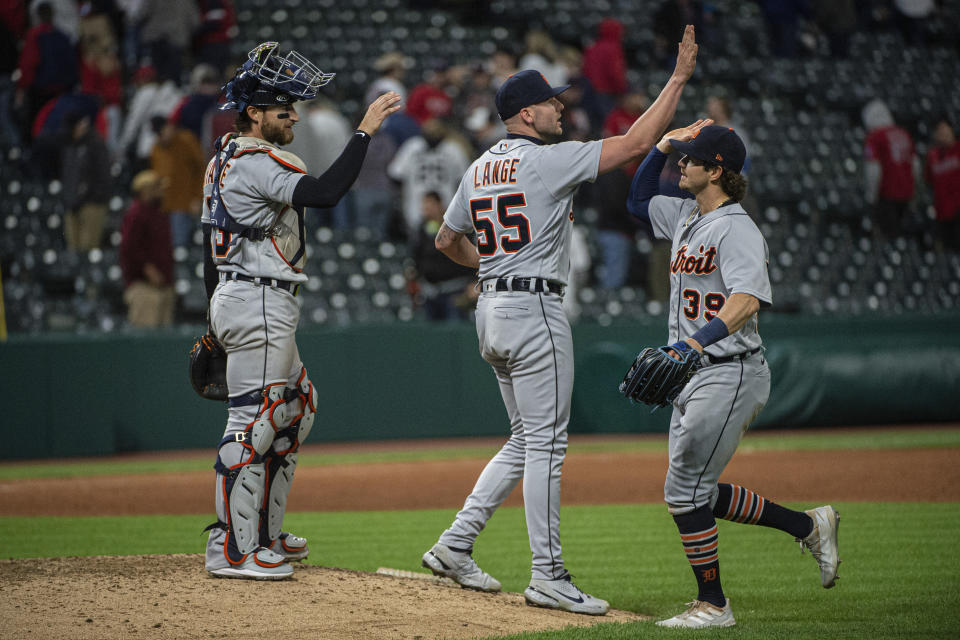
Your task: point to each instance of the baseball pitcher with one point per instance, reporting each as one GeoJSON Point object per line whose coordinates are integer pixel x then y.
{"type": "Point", "coordinates": [254, 195]}
{"type": "Point", "coordinates": [718, 282]}
{"type": "Point", "coordinates": [518, 197]}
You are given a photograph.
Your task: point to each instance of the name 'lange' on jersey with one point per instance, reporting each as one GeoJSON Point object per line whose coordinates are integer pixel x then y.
{"type": "Point", "coordinates": [495, 172]}
{"type": "Point", "coordinates": [518, 197]}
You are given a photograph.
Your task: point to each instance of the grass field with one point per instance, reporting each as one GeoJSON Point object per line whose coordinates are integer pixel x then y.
{"type": "Point", "coordinates": [896, 581]}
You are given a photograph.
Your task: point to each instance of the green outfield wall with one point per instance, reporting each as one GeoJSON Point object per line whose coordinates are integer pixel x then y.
{"type": "Point", "coordinates": [81, 395]}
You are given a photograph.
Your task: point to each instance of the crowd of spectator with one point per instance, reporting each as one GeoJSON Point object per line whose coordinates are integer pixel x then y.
{"type": "Point", "coordinates": [98, 84]}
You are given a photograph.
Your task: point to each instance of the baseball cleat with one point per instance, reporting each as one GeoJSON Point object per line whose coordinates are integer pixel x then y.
{"type": "Point", "coordinates": [563, 594]}
{"type": "Point", "coordinates": [292, 548]}
{"type": "Point", "coordinates": [701, 615]}
{"type": "Point", "coordinates": [459, 567]}
{"type": "Point", "coordinates": [260, 564]}
{"type": "Point", "coordinates": [822, 543]}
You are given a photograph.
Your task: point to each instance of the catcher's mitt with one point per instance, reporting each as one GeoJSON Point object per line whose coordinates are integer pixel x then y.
{"type": "Point", "coordinates": [657, 378]}
{"type": "Point", "coordinates": [208, 368]}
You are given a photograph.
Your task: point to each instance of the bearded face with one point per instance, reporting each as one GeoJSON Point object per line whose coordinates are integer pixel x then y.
{"type": "Point", "coordinates": [277, 125]}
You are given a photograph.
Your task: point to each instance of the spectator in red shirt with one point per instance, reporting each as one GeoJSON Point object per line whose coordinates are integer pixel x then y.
{"type": "Point", "coordinates": [217, 30]}
{"type": "Point", "coordinates": [605, 67]}
{"type": "Point", "coordinates": [146, 255]}
{"type": "Point", "coordinates": [48, 65]}
{"type": "Point", "coordinates": [890, 159]}
{"type": "Point", "coordinates": [615, 230]}
{"type": "Point", "coordinates": [942, 171]}
{"type": "Point", "coordinates": [630, 107]}
{"type": "Point", "coordinates": [429, 100]}
{"type": "Point", "coordinates": [100, 77]}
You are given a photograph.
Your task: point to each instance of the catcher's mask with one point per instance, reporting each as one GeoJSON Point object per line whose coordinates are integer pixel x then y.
{"type": "Point", "coordinates": [271, 78]}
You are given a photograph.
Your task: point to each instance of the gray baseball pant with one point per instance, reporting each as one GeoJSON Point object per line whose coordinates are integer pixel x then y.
{"type": "Point", "coordinates": [526, 339]}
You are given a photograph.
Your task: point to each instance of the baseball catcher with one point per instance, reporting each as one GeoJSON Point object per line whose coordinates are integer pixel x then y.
{"type": "Point", "coordinates": [255, 198]}
{"type": "Point", "coordinates": [657, 376]}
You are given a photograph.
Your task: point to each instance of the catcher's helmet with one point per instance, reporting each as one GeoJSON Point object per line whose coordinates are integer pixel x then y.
{"type": "Point", "coordinates": [269, 77]}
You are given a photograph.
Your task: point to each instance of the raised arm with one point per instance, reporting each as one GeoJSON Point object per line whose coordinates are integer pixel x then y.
{"type": "Point", "coordinates": [646, 181]}
{"type": "Point", "coordinates": [618, 150]}
{"type": "Point", "coordinates": [327, 190]}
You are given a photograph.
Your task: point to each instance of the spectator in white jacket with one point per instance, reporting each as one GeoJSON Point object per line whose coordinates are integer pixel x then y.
{"type": "Point", "coordinates": [431, 161]}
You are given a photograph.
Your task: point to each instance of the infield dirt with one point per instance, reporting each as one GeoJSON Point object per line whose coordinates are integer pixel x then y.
{"type": "Point", "coordinates": [172, 598]}
{"type": "Point", "coordinates": [108, 598]}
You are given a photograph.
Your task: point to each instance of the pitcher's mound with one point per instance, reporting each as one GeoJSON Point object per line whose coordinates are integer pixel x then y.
{"type": "Point", "coordinates": [113, 597]}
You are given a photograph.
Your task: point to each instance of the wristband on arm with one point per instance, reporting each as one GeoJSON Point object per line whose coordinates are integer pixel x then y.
{"type": "Point", "coordinates": [713, 331]}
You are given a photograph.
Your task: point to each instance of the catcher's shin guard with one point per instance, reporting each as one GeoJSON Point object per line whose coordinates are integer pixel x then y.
{"type": "Point", "coordinates": [281, 460]}
{"type": "Point", "coordinates": [243, 505]}
{"type": "Point", "coordinates": [281, 470]}
{"type": "Point", "coordinates": [242, 476]}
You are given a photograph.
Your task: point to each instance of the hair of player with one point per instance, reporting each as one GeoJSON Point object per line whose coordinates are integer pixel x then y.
{"type": "Point", "coordinates": [734, 185]}
{"type": "Point", "coordinates": [242, 123]}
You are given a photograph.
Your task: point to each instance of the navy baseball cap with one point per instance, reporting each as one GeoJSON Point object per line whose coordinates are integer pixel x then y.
{"type": "Point", "coordinates": [716, 145]}
{"type": "Point", "coordinates": [523, 89]}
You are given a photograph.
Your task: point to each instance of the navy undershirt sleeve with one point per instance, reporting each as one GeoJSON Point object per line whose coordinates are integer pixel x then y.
{"type": "Point", "coordinates": [646, 184]}
{"type": "Point", "coordinates": [326, 190]}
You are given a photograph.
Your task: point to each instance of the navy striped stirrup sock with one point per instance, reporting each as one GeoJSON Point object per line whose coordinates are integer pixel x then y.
{"type": "Point", "coordinates": [698, 532]}
{"type": "Point", "coordinates": [737, 504]}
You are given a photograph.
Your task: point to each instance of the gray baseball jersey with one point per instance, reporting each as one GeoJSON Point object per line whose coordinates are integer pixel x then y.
{"type": "Point", "coordinates": [518, 198]}
{"type": "Point", "coordinates": [256, 187]}
{"type": "Point", "coordinates": [713, 256]}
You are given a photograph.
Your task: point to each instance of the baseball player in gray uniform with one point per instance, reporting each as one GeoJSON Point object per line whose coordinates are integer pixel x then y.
{"type": "Point", "coordinates": [718, 282]}
{"type": "Point", "coordinates": [518, 197]}
{"type": "Point", "coordinates": [254, 194]}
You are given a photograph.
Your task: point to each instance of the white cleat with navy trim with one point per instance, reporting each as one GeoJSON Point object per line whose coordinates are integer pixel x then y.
{"type": "Point", "coordinates": [701, 615]}
{"type": "Point", "coordinates": [563, 594]}
{"type": "Point", "coordinates": [822, 543]}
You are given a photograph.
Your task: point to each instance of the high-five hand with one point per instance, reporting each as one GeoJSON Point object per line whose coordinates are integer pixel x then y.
{"type": "Point", "coordinates": [683, 134]}
{"type": "Point", "coordinates": [378, 111]}
{"type": "Point", "coordinates": [686, 55]}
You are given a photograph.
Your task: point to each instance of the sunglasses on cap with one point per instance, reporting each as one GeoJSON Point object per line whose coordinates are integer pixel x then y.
{"type": "Point", "coordinates": [689, 160]}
